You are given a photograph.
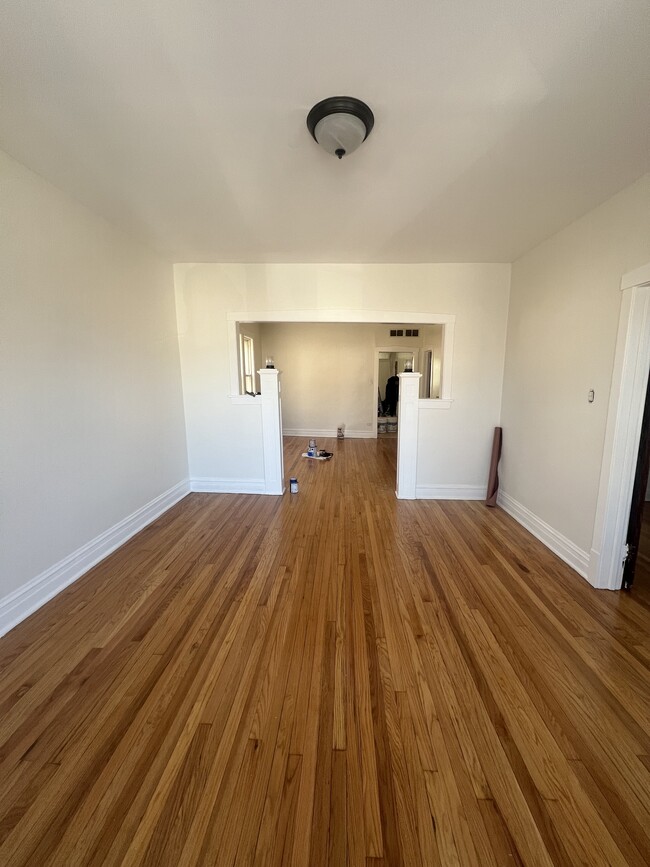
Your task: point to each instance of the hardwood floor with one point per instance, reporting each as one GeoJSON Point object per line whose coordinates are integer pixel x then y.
{"type": "Point", "coordinates": [328, 678]}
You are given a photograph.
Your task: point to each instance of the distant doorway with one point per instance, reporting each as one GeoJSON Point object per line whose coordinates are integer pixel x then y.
{"type": "Point", "coordinates": [388, 364]}
{"type": "Point", "coordinates": [636, 571]}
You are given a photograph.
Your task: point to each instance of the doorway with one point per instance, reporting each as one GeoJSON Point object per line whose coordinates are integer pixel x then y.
{"type": "Point", "coordinates": [623, 433]}
{"type": "Point", "coordinates": [636, 570]}
{"type": "Point", "coordinates": [328, 411]}
{"type": "Point", "coordinates": [389, 363]}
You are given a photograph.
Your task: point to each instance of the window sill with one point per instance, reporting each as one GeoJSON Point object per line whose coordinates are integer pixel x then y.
{"type": "Point", "coordinates": [245, 399]}
{"type": "Point", "coordinates": [436, 403]}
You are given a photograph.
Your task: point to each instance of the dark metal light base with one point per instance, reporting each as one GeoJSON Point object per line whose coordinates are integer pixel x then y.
{"type": "Point", "coordinates": [340, 105]}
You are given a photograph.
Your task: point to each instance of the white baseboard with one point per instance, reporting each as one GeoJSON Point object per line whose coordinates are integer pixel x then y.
{"type": "Point", "coordinates": [605, 581]}
{"type": "Point", "coordinates": [228, 486]}
{"type": "Point", "coordinates": [31, 596]}
{"type": "Point", "coordinates": [308, 433]}
{"type": "Point", "coordinates": [449, 492]}
{"type": "Point", "coordinates": [564, 548]}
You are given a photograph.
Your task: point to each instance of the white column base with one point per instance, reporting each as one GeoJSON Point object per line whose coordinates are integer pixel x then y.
{"type": "Point", "coordinates": [407, 435]}
{"type": "Point", "coordinates": [272, 431]}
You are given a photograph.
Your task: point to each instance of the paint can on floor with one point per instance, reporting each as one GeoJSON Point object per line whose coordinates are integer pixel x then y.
{"type": "Point", "coordinates": [293, 486]}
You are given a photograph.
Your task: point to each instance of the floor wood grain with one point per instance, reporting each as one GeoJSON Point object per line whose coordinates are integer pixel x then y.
{"type": "Point", "coordinates": [328, 678]}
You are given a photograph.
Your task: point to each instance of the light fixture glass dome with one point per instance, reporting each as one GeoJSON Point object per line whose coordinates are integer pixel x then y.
{"type": "Point", "coordinates": [340, 132]}
{"type": "Point", "coordinates": [340, 124]}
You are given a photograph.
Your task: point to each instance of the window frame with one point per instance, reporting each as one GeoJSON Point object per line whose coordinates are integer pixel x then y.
{"type": "Point", "coordinates": [247, 364]}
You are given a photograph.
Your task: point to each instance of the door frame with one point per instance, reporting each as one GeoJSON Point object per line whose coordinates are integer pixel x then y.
{"type": "Point", "coordinates": [623, 432]}
{"type": "Point", "coordinates": [637, 503]}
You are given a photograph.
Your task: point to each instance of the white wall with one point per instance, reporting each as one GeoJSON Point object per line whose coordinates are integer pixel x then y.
{"type": "Point", "coordinates": [91, 424]}
{"type": "Point", "coordinates": [223, 436]}
{"type": "Point", "coordinates": [562, 328]}
{"type": "Point", "coordinates": [327, 374]}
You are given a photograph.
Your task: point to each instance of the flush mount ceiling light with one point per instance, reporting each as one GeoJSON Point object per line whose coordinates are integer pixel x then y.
{"type": "Point", "coordinates": [340, 124]}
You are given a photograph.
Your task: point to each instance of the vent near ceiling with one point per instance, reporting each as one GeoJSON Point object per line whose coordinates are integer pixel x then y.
{"type": "Point", "coordinates": [401, 332]}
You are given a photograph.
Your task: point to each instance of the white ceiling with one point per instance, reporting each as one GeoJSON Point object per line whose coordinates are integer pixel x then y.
{"type": "Point", "coordinates": [497, 122]}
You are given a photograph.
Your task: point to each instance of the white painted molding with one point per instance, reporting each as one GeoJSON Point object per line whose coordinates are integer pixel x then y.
{"type": "Point", "coordinates": [622, 437]}
{"type": "Point", "coordinates": [638, 277]}
{"type": "Point", "coordinates": [407, 435]}
{"type": "Point", "coordinates": [343, 314]}
{"type": "Point", "coordinates": [450, 492]}
{"type": "Point", "coordinates": [447, 358]}
{"type": "Point", "coordinates": [328, 432]}
{"type": "Point", "coordinates": [564, 548]}
{"type": "Point", "coordinates": [31, 596]}
{"type": "Point", "coordinates": [228, 486]}
{"type": "Point", "coordinates": [434, 403]}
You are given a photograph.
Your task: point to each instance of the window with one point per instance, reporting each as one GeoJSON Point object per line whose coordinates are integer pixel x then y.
{"type": "Point", "coordinates": [247, 350]}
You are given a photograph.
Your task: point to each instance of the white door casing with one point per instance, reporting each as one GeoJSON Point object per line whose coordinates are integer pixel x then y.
{"type": "Point", "coordinates": [623, 432]}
